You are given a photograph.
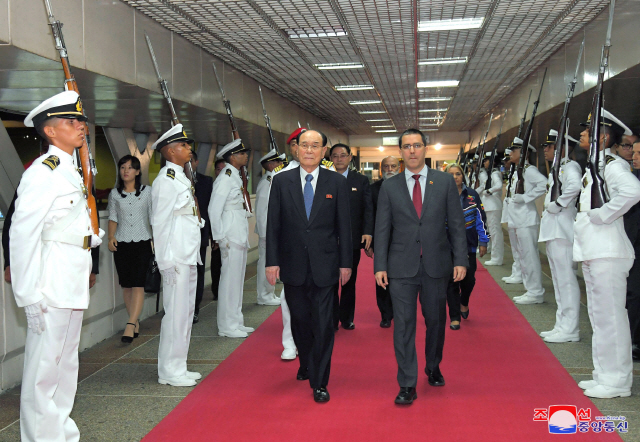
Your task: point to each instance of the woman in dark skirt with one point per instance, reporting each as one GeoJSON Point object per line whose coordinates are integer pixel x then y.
{"type": "Point", "coordinates": [130, 238]}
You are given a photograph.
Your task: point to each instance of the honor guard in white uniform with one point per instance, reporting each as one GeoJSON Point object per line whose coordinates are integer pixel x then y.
{"type": "Point", "coordinates": [556, 229]}
{"type": "Point", "coordinates": [524, 220]}
{"type": "Point", "coordinates": [516, 271]}
{"type": "Point", "coordinates": [176, 237]}
{"type": "Point", "coordinates": [266, 291]}
{"type": "Point", "coordinates": [228, 212]}
{"type": "Point", "coordinates": [472, 174]}
{"type": "Point", "coordinates": [50, 245]}
{"type": "Point", "coordinates": [601, 244]}
{"type": "Point", "coordinates": [492, 201]}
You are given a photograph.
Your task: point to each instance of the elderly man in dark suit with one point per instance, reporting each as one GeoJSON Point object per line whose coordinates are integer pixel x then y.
{"type": "Point", "coordinates": [361, 209]}
{"type": "Point", "coordinates": [415, 256]}
{"type": "Point", "coordinates": [204, 185]}
{"type": "Point", "coordinates": [309, 249]}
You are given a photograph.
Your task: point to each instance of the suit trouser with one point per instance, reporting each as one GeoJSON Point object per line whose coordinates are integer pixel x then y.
{"type": "Point", "coordinates": [287, 334]}
{"type": "Point", "coordinates": [50, 378]}
{"type": "Point", "coordinates": [458, 293]}
{"type": "Point", "coordinates": [175, 329]}
{"type": "Point", "coordinates": [516, 270]}
{"type": "Point", "coordinates": [216, 268]}
{"type": "Point", "coordinates": [265, 290]}
{"type": "Point", "coordinates": [234, 263]}
{"type": "Point", "coordinates": [497, 237]}
{"type": "Point", "coordinates": [200, 283]}
{"type": "Point", "coordinates": [432, 293]}
{"type": "Point", "coordinates": [383, 298]}
{"type": "Point", "coordinates": [565, 285]}
{"type": "Point", "coordinates": [344, 306]}
{"type": "Point", "coordinates": [606, 283]}
{"type": "Point", "coordinates": [312, 326]}
{"type": "Point", "coordinates": [529, 256]}
{"type": "Point", "coordinates": [633, 299]}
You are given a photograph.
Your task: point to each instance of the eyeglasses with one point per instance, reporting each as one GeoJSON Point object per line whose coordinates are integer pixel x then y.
{"type": "Point", "coordinates": [341, 156]}
{"type": "Point", "coordinates": [626, 146]}
{"type": "Point", "coordinates": [415, 146]}
{"type": "Point", "coordinates": [310, 147]}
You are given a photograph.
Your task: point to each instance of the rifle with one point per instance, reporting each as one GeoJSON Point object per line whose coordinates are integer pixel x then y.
{"type": "Point", "coordinates": [481, 154]}
{"type": "Point", "coordinates": [236, 135]}
{"type": "Point", "coordinates": [512, 166]}
{"type": "Point", "coordinates": [267, 120]}
{"type": "Point", "coordinates": [467, 159]}
{"type": "Point", "coordinates": [524, 116]}
{"type": "Point", "coordinates": [598, 194]}
{"type": "Point", "coordinates": [459, 159]}
{"type": "Point", "coordinates": [556, 189]}
{"type": "Point", "coordinates": [525, 140]}
{"type": "Point", "coordinates": [86, 164]}
{"type": "Point", "coordinates": [493, 153]}
{"type": "Point", "coordinates": [188, 170]}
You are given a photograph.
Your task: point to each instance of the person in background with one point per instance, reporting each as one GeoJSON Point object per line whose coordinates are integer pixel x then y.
{"type": "Point", "coordinates": [204, 185]}
{"type": "Point", "coordinates": [390, 167]}
{"type": "Point", "coordinates": [458, 292]}
{"type": "Point", "coordinates": [632, 227]}
{"type": "Point", "coordinates": [216, 258]}
{"type": "Point", "coordinates": [130, 238]}
{"type": "Point", "coordinates": [492, 200]}
{"type": "Point", "coordinates": [516, 270]}
{"type": "Point", "coordinates": [624, 149]}
{"type": "Point", "coordinates": [361, 210]}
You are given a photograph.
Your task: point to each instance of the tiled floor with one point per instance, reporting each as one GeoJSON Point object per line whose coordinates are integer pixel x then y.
{"type": "Point", "coordinates": [119, 398]}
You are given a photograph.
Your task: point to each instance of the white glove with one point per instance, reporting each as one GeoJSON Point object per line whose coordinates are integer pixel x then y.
{"type": "Point", "coordinates": [594, 217]}
{"type": "Point", "coordinates": [96, 240]}
{"type": "Point", "coordinates": [202, 223]}
{"type": "Point", "coordinates": [170, 275]}
{"type": "Point", "coordinates": [224, 247]}
{"type": "Point", "coordinates": [517, 199]}
{"type": "Point", "coordinates": [35, 316]}
{"type": "Point", "coordinates": [554, 208]}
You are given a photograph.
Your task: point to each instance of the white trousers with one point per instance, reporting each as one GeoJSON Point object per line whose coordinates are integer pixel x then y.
{"type": "Point", "coordinates": [287, 336]}
{"type": "Point", "coordinates": [516, 271]}
{"type": "Point", "coordinates": [606, 281]}
{"type": "Point", "coordinates": [497, 237]}
{"type": "Point", "coordinates": [565, 285]}
{"type": "Point", "coordinates": [50, 378]}
{"type": "Point", "coordinates": [230, 289]}
{"type": "Point", "coordinates": [529, 255]}
{"type": "Point", "coordinates": [265, 290]}
{"type": "Point", "coordinates": [179, 302]}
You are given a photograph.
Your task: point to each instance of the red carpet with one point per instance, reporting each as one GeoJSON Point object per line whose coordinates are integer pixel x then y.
{"type": "Point", "coordinates": [496, 368]}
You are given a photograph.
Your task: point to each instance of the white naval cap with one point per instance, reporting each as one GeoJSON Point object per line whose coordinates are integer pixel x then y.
{"type": "Point", "coordinates": [66, 104]}
{"type": "Point", "coordinates": [487, 155]}
{"type": "Point", "coordinates": [517, 144]}
{"type": "Point", "coordinates": [173, 135]}
{"type": "Point", "coordinates": [273, 155]}
{"type": "Point", "coordinates": [608, 119]}
{"type": "Point", "coordinates": [235, 146]}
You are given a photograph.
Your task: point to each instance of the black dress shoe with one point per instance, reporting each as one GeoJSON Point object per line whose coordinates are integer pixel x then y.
{"type": "Point", "coordinates": [196, 318]}
{"type": "Point", "coordinates": [435, 377]}
{"type": "Point", "coordinates": [454, 326]}
{"type": "Point", "coordinates": [635, 353]}
{"type": "Point", "coordinates": [215, 296]}
{"type": "Point", "coordinates": [321, 394]}
{"type": "Point", "coordinates": [348, 326]}
{"type": "Point", "coordinates": [385, 323]}
{"type": "Point", "coordinates": [465, 315]}
{"type": "Point", "coordinates": [406, 396]}
{"type": "Point", "coordinates": [303, 374]}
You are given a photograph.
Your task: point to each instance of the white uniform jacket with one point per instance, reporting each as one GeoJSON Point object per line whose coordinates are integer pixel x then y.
{"type": "Point", "coordinates": [56, 271]}
{"type": "Point", "coordinates": [599, 233]}
{"type": "Point", "coordinates": [227, 212]}
{"type": "Point", "coordinates": [535, 185]}
{"type": "Point", "coordinates": [560, 225]}
{"type": "Point", "coordinates": [176, 230]}
{"type": "Point", "coordinates": [262, 204]}
{"type": "Point", "coordinates": [492, 199]}
{"type": "Point", "coordinates": [506, 202]}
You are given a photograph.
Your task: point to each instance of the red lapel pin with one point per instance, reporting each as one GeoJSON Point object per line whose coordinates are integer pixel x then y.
{"type": "Point", "coordinates": [329, 196]}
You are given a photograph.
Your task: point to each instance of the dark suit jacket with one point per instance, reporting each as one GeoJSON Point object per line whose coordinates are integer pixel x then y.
{"type": "Point", "coordinates": [361, 207]}
{"type": "Point", "coordinates": [323, 241]}
{"type": "Point", "coordinates": [400, 234]}
{"type": "Point", "coordinates": [203, 194]}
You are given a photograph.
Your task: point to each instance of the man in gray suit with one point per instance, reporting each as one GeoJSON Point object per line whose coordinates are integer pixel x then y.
{"type": "Point", "coordinates": [415, 256]}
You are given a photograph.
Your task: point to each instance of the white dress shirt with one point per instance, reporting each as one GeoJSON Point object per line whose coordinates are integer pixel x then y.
{"type": "Point", "coordinates": [345, 173]}
{"type": "Point", "coordinates": [314, 181]}
{"type": "Point", "coordinates": [412, 182]}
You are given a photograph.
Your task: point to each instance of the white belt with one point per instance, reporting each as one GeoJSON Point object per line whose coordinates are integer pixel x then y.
{"type": "Point", "coordinates": [56, 232]}
{"type": "Point", "coordinates": [186, 211]}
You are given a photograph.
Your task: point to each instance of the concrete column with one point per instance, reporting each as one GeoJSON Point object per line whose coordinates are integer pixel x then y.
{"type": "Point", "coordinates": [125, 142]}
{"type": "Point", "coordinates": [11, 169]}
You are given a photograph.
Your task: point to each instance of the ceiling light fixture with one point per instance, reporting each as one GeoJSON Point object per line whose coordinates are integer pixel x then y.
{"type": "Point", "coordinates": [435, 99]}
{"type": "Point", "coordinates": [450, 25]}
{"type": "Point", "coordinates": [386, 130]}
{"type": "Point", "coordinates": [383, 125]}
{"type": "Point", "coordinates": [379, 119]}
{"type": "Point", "coordinates": [450, 60]}
{"type": "Point", "coordinates": [429, 118]}
{"type": "Point", "coordinates": [442, 83]}
{"type": "Point", "coordinates": [433, 110]}
{"type": "Point", "coordinates": [438, 146]}
{"type": "Point", "coordinates": [315, 33]}
{"type": "Point", "coordinates": [333, 66]}
{"type": "Point", "coordinates": [381, 149]}
{"type": "Point", "coordinates": [428, 130]}
{"type": "Point", "coordinates": [372, 112]}
{"type": "Point", "coordinates": [354, 87]}
{"type": "Point", "coordinates": [355, 103]}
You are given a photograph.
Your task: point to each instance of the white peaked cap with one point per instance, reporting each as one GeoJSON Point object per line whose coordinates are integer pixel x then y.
{"type": "Point", "coordinates": [66, 104]}
{"type": "Point", "coordinates": [173, 135]}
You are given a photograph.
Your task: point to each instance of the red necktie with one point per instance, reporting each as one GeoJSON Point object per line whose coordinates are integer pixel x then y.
{"type": "Point", "coordinates": [417, 195]}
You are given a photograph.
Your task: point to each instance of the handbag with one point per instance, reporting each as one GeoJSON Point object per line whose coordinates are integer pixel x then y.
{"type": "Point", "coordinates": [153, 280]}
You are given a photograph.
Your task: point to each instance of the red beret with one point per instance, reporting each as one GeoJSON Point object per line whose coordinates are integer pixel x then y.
{"type": "Point", "coordinates": [295, 133]}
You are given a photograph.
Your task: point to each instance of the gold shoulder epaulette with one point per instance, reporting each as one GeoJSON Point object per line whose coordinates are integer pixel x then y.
{"type": "Point", "coordinates": [279, 168]}
{"type": "Point", "coordinates": [610, 158]}
{"type": "Point", "coordinates": [171, 174]}
{"type": "Point", "coordinates": [526, 166]}
{"type": "Point", "coordinates": [51, 162]}
{"type": "Point", "coordinates": [228, 172]}
{"type": "Point", "coordinates": [327, 163]}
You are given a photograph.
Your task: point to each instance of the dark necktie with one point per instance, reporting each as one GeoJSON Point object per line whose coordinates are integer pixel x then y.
{"type": "Point", "coordinates": [417, 195]}
{"type": "Point", "coordinates": [308, 194]}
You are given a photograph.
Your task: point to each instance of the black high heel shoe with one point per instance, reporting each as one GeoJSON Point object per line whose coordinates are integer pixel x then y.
{"type": "Point", "coordinates": [135, 333]}
{"type": "Point", "coordinates": [465, 315]}
{"type": "Point", "coordinates": [128, 339]}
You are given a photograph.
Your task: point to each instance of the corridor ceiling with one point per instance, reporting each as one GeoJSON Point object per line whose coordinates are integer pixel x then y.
{"type": "Point", "coordinates": [280, 42]}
